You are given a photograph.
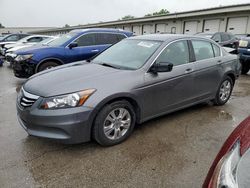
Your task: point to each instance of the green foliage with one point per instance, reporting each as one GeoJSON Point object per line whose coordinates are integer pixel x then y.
{"type": "Point", "coordinates": [159, 13]}
{"type": "Point", "coordinates": [1, 26]}
{"type": "Point", "coordinates": [128, 17]}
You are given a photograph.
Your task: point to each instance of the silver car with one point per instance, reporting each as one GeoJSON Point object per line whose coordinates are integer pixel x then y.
{"type": "Point", "coordinates": [135, 80]}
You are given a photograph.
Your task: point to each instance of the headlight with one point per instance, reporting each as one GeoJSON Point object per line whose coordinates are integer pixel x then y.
{"type": "Point", "coordinates": [67, 101]}
{"type": "Point", "coordinates": [225, 172]}
{"type": "Point", "coordinates": [24, 57]}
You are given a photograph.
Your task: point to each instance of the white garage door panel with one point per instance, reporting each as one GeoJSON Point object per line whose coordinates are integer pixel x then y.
{"type": "Point", "coordinates": [136, 30]}
{"type": "Point", "coordinates": [147, 29]}
{"type": "Point", "coordinates": [160, 28]}
{"type": "Point", "coordinates": [191, 27]}
{"type": "Point", "coordinates": [211, 26]}
{"type": "Point", "coordinates": [237, 25]}
{"type": "Point", "coordinates": [127, 28]}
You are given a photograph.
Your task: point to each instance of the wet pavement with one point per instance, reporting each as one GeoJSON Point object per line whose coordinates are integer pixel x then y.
{"type": "Point", "coordinates": [175, 150]}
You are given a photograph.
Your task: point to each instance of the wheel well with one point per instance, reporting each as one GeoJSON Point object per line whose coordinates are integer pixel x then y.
{"type": "Point", "coordinates": [231, 75]}
{"type": "Point", "coordinates": [48, 60]}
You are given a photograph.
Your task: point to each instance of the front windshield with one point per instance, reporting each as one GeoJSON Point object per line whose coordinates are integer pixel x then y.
{"type": "Point", "coordinates": [62, 39]}
{"type": "Point", "coordinates": [128, 54]}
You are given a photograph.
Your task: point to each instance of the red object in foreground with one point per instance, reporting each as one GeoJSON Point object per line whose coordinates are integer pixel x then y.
{"type": "Point", "coordinates": [241, 134]}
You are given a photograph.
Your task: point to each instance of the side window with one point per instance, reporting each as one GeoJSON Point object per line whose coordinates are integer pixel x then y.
{"type": "Point", "coordinates": [120, 37]}
{"type": "Point", "coordinates": [216, 50]}
{"type": "Point", "coordinates": [86, 40]}
{"type": "Point", "coordinates": [225, 37]}
{"type": "Point", "coordinates": [107, 38]}
{"type": "Point", "coordinates": [35, 39]}
{"type": "Point", "coordinates": [12, 38]}
{"type": "Point", "coordinates": [176, 53]}
{"type": "Point", "coordinates": [202, 50]}
{"type": "Point", "coordinates": [217, 37]}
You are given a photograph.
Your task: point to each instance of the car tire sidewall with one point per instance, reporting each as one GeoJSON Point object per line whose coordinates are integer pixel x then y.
{"type": "Point", "coordinates": [98, 132]}
{"type": "Point", "coordinates": [217, 100]}
{"type": "Point", "coordinates": [44, 65]}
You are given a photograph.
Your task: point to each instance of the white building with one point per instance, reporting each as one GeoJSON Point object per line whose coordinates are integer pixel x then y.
{"type": "Point", "coordinates": [234, 19]}
{"type": "Point", "coordinates": [8, 30]}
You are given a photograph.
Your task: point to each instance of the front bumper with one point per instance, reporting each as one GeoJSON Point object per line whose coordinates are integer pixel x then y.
{"type": "Point", "coordinates": [70, 126]}
{"type": "Point", "coordinates": [23, 69]}
{"type": "Point", "coordinates": [245, 58]}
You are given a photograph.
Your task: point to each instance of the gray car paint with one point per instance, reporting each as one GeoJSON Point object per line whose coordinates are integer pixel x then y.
{"type": "Point", "coordinates": [152, 94]}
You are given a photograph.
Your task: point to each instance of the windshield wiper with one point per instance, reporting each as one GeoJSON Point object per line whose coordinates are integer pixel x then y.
{"type": "Point", "coordinates": [109, 65]}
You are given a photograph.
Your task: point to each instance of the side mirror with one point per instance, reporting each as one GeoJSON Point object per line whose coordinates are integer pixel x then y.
{"type": "Point", "coordinates": [73, 45]}
{"type": "Point", "coordinates": [161, 67]}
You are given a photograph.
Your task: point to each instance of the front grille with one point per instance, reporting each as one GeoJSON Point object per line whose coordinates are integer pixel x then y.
{"type": "Point", "coordinates": [27, 99]}
{"type": "Point", "coordinates": [9, 58]}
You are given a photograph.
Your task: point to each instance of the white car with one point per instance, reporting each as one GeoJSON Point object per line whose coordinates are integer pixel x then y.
{"type": "Point", "coordinates": [10, 54]}
{"type": "Point", "coordinates": [30, 40]}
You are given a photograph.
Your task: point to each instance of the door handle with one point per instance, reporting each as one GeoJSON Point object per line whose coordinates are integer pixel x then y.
{"type": "Point", "coordinates": [188, 70]}
{"type": "Point", "coordinates": [95, 50]}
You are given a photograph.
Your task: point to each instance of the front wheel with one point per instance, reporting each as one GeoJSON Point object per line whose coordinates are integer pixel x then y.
{"type": "Point", "coordinates": [224, 92]}
{"type": "Point", "coordinates": [114, 123]}
{"type": "Point", "coordinates": [245, 69]}
{"type": "Point", "coordinates": [47, 65]}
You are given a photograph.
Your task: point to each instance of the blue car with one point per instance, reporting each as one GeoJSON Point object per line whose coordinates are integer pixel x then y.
{"type": "Point", "coordinates": [1, 62]}
{"type": "Point", "coordinates": [77, 45]}
{"type": "Point", "coordinates": [244, 54]}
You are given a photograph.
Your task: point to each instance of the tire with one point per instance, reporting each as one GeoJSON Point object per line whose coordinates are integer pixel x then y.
{"type": "Point", "coordinates": [224, 91]}
{"type": "Point", "coordinates": [47, 65]}
{"type": "Point", "coordinates": [245, 68]}
{"type": "Point", "coordinates": [112, 135]}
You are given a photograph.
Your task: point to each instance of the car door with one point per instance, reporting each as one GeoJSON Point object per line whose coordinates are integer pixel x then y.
{"type": "Point", "coordinates": [207, 68]}
{"type": "Point", "coordinates": [167, 91]}
{"type": "Point", "coordinates": [86, 48]}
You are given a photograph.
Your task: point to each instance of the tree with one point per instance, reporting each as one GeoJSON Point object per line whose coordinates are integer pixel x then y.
{"type": "Point", "coordinates": [159, 13]}
{"type": "Point", "coordinates": [127, 17]}
{"type": "Point", "coordinates": [67, 25]}
{"type": "Point", "coordinates": [1, 26]}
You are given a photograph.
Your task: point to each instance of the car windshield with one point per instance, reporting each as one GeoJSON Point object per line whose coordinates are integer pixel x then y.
{"type": "Point", "coordinates": [128, 54]}
{"type": "Point", "coordinates": [62, 39]}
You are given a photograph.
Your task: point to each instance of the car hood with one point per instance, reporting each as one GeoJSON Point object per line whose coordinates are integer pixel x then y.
{"type": "Point", "coordinates": [33, 49]}
{"type": "Point", "coordinates": [18, 47]}
{"type": "Point", "coordinates": [74, 78]}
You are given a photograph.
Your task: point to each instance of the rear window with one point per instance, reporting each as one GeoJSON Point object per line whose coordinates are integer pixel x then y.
{"type": "Point", "coordinates": [202, 50]}
{"type": "Point", "coordinates": [225, 37]}
{"type": "Point", "coordinates": [108, 38]}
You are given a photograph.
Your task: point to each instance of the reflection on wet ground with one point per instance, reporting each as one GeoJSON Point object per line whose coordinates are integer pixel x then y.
{"type": "Point", "coordinates": [175, 150]}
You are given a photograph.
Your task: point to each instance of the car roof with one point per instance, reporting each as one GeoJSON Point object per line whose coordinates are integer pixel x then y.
{"type": "Point", "coordinates": [99, 30]}
{"type": "Point", "coordinates": [166, 37]}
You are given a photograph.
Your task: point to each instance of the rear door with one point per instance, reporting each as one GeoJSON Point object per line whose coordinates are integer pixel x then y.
{"type": "Point", "coordinates": [168, 91]}
{"type": "Point", "coordinates": [207, 68]}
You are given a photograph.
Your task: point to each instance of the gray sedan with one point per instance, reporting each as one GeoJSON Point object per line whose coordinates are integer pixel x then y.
{"type": "Point", "coordinates": [135, 80]}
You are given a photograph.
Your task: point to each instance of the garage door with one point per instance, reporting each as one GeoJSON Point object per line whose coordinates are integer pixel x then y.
{"type": "Point", "coordinates": [137, 30]}
{"type": "Point", "coordinates": [211, 26]}
{"type": "Point", "coordinates": [147, 29]}
{"type": "Point", "coordinates": [127, 28]}
{"type": "Point", "coordinates": [237, 25]}
{"type": "Point", "coordinates": [191, 27]}
{"type": "Point", "coordinates": [160, 28]}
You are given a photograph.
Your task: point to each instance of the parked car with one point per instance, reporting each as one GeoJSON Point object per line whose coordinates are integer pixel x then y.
{"type": "Point", "coordinates": [135, 80]}
{"type": "Point", "coordinates": [241, 36]}
{"type": "Point", "coordinates": [74, 46]}
{"type": "Point", "coordinates": [10, 39]}
{"type": "Point", "coordinates": [244, 53]}
{"type": "Point", "coordinates": [29, 41]}
{"type": "Point", "coordinates": [13, 37]}
{"type": "Point", "coordinates": [1, 62]}
{"type": "Point", "coordinates": [10, 53]}
{"type": "Point", "coordinates": [231, 167]}
{"type": "Point", "coordinates": [223, 38]}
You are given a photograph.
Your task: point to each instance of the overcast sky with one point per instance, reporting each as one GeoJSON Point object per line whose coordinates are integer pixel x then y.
{"type": "Point", "coordinates": [57, 13]}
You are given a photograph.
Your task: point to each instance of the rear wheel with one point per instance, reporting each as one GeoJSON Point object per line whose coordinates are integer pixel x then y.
{"type": "Point", "coordinates": [114, 123]}
{"type": "Point", "coordinates": [47, 65]}
{"type": "Point", "coordinates": [224, 92]}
